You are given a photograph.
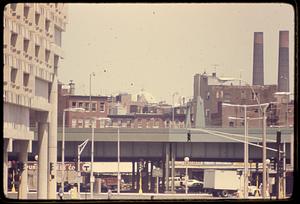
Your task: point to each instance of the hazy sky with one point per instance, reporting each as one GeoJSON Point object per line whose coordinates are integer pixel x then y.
{"type": "Point", "coordinates": [159, 47]}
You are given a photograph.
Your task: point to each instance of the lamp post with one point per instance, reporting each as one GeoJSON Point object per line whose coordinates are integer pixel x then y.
{"type": "Point", "coordinates": [92, 178]}
{"type": "Point", "coordinates": [79, 151]}
{"type": "Point", "coordinates": [246, 149]}
{"type": "Point", "coordinates": [63, 143]}
{"type": "Point", "coordinates": [92, 74]}
{"type": "Point", "coordinates": [174, 94]}
{"type": "Point", "coordinates": [186, 161]}
{"type": "Point", "coordinates": [263, 109]}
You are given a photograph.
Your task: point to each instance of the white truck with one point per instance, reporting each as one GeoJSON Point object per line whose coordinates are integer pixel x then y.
{"type": "Point", "coordinates": [221, 182]}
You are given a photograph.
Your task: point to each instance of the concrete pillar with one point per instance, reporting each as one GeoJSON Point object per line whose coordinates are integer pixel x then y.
{"type": "Point", "coordinates": [52, 141]}
{"type": "Point", "coordinates": [133, 176]}
{"type": "Point", "coordinates": [138, 176]}
{"type": "Point", "coordinates": [167, 166]}
{"type": "Point", "coordinates": [5, 166]}
{"type": "Point", "coordinates": [23, 157]}
{"type": "Point", "coordinates": [164, 176]}
{"type": "Point", "coordinates": [42, 160]}
{"type": "Point", "coordinates": [173, 167]}
{"type": "Point", "coordinates": [146, 177]}
{"type": "Point", "coordinates": [152, 179]}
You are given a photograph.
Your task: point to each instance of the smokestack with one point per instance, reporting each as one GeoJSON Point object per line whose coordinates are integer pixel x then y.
{"type": "Point", "coordinates": [283, 62]}
{"type": "Point", "coordinates": [258, 59]}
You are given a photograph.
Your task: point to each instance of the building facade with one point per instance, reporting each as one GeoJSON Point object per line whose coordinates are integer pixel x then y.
{"type": "Point", "coordinates": [32, 34]}
{"type": "Point", "coordinates": [93, 106]}
{"type": "Point", "coordinates": [214, 93]}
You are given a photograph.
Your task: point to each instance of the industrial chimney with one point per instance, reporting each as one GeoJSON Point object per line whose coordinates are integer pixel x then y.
{"type": "Point", "coordinates": [258, 59]}
{"type": "Point", "coordinates": [283, 62]}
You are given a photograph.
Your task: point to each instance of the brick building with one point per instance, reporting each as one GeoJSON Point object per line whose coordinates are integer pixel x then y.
{"type": "Point", "coordinates": [95, 107]}
{"type": "Point", "coordinates": [214, 93]}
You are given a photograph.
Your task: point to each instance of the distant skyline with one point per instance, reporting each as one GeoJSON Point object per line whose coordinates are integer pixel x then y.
{"type": "Point", "coordinates": [160, 47]}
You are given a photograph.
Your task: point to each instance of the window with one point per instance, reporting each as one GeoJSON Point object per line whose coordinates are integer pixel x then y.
{"type": "Point", "coordinates": [102, 123]}
{"type": "Point", "coordinates": [74, 123]}
{"type": "Point", "coordinates": [80, 123]}
{"type": "Point", "coordinates": [74, 104]}
{"type": "Point", "coordinates": [25, 45]}
{"type": "Point", "coordinates": [93, 106]}
{"type": "Point", "coordinates": [25, 79]}
{"type": "Point", "coordinates": [13, 39]}
{"type": "Point", "coordinates": [13, 7]}
{"type": "Point", "coordinates": [231, 124]}
{"type": "Point", "coordinates": [37, 19]}
{"type": "Point", "coordinates": [87, 123]}
{"type": "Point", "coordinates": [47, 55]}
{"type": "Point", "coordinates": [47, 25]}
{"type": "Point", "coordinates": [26, 11]}
{"type": "Point", "coordinates": [242, 123]}
{"type": "Point", "coordinates": [80, 104]}
{"type": "Point", "coordinates": [86, 106]}
{"type": "Point", "coordinates": [13, 75]}
{"type": "Point", "coordinates": [102, 107]}
{"type": "Point", "coordinates": [37, 50]}
{"type": "Point", "coordinates": [57, 36]}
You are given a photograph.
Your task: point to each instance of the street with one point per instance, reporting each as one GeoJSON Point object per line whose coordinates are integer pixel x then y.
{"type": "Point", "coordinates": [136, 196]}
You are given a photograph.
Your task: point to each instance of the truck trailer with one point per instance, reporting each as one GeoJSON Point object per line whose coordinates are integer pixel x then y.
{"type": "Point", "coordinates": [221, 182]}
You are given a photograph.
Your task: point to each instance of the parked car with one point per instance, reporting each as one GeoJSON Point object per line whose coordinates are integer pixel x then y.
{"type": "Point", "coordinates": [196, 188]}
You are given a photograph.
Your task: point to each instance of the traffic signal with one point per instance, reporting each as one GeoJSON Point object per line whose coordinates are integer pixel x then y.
{"type": "Point", "coordinates": [189, 136]}
{"type": "Point", "coordinates": [51, 167]}
{"type": "Point", "coordinates": [273, 163]}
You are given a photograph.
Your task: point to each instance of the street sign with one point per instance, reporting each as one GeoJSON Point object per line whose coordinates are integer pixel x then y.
{"type": "Point", "coordinates": [86, 167]}
{"type": "Point", "coordinates": [157, 172]}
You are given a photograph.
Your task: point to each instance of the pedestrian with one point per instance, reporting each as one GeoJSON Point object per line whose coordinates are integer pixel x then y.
{"type": "Point", "coordinates": [109, 194]}
{"type": "Point", "coordinates": [60, 193]}
{"type": "Point", "coordinates": [73, 192]}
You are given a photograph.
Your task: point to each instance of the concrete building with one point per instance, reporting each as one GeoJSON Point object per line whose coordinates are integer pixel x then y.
{"type": "Point", "coordinates": [32, 51]}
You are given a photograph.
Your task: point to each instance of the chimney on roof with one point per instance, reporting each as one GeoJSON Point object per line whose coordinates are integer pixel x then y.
{"type": "Point", "coordinates": [283, 62]}
{"type": "Point", "coordinates": [258, 59]}
{"type": "Point", "coordinates": [72, 87]}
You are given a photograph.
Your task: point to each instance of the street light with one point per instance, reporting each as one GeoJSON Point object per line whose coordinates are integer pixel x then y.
{"type": "Point", "coordinates": [92, 179]}
{"type": "Point", "coordinates": [174, 94]}
{"type": "Point", "coordinates": [63, 143]}
{"type": "Point", "coordinates": [186, 161]}
{"type": "Point", "coordinates": [246, 149]}
{"type": "Point", "coordinates": [79, 151]}
{"type": "Point", "coordinates": [264, 138]}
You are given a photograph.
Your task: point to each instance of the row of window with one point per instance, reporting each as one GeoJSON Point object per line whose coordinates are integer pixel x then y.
{"type": "Point", "coordinates": [87, 106]}
{"type": "Point", "coordinates": [87, 123]}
